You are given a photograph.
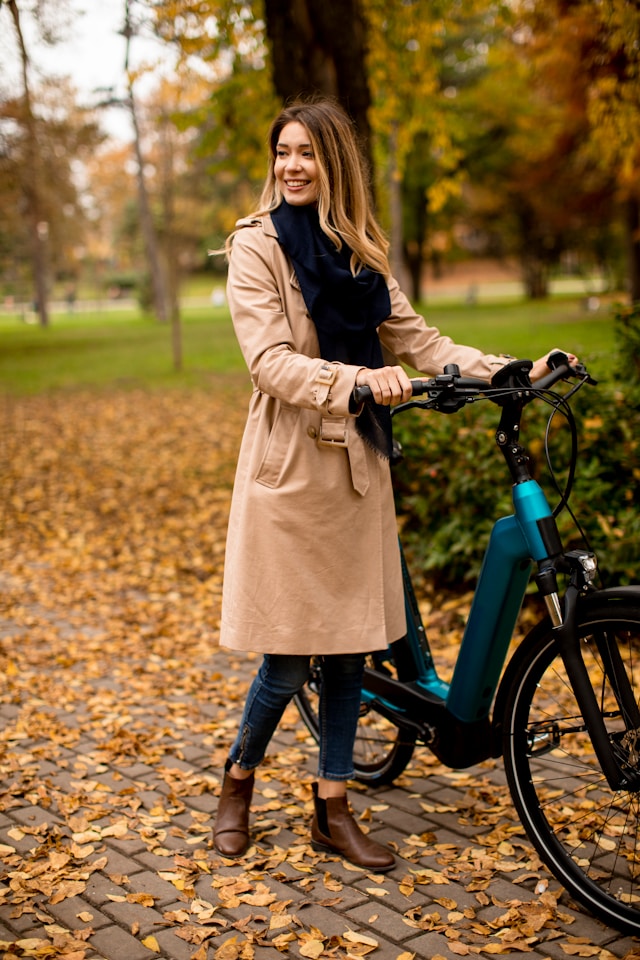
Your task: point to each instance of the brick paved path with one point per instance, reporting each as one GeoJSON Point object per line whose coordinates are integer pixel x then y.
{"type": "Point", "coordinates": [105, 835]}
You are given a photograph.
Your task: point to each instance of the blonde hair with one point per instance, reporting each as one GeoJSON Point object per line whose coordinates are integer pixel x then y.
{"type": "Point", "coordinates": [344, 202]}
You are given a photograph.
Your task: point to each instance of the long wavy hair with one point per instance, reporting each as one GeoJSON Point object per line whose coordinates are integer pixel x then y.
{"type": "Point", "coordinates": [344, 201]}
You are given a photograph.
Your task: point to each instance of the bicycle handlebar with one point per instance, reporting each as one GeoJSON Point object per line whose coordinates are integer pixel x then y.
{"type": "Point", "coordinates": [512, 377]}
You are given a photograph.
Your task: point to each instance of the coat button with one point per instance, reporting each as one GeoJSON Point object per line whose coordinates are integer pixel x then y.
{"type": "Point", "coordinates": [313, 433]}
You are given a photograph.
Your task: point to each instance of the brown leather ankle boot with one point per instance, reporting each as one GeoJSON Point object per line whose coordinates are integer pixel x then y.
{"type": "Point", "coordinates": [231, 829]}
{"type": "Point", "coordinates": [335, 831]}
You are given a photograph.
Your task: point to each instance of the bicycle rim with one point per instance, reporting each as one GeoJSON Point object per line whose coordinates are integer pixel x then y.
{"type": "Point", "coordinates": [381, 750]}
{"type": "Point", "coordinates": [585, 832]}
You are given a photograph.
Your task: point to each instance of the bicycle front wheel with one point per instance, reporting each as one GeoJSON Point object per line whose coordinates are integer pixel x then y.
{"type": "Point", "coordinates": [585, 832]}
{"type": "Point", "coordinates": [381, 750]}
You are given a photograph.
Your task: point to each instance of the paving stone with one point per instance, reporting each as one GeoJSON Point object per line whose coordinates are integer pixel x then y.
{"type": "Point", "coordinates": [21, 925]}
{"type": "Point", "coordinates": [128, 846]}
{"type": "Point", "coordinates": [381, 919]}
{"type": "Point", "coordinates": [6, 935]}
{"type": "Point", "coordinates": [392, 895]}
{"type": "Point", "coordinates": [68, 913]}
{"type": "Point", "coordinates": [206, 803]}
{"type": "Point", "coordinates": [174, 946]}
{"type": "Point", "coordinates": [150, 882]}
{"type": "Point", "coordinates": [34, 817]}
{"type": "Point", "coordinates": [146, 919]}
{"type": "Point", "coordinates": [100, 889]}
{"type": "Point", "coordinates": [120, 865]}
{"type": "Point", "coordinates": [113, 943]}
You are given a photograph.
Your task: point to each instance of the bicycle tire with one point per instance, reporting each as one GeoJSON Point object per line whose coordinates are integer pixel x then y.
{"type": "Point", "coordinates": [381, 750]}
{"type": "Point", "coordinates": [586, 833]}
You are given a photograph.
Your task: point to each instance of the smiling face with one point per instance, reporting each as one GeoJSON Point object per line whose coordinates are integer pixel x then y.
{"type": "Point", "coordinates": [295, 167]}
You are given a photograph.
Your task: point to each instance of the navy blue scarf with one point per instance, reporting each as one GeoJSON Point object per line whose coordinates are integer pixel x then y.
{"type": "Point", "coordinates": [346, 309]}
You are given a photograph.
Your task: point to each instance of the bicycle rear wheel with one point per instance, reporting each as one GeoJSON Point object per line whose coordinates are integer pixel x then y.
{"type": "Point", "coordinates": [585, 832]}
{"type": "Point", "coordinates": [381, 750]}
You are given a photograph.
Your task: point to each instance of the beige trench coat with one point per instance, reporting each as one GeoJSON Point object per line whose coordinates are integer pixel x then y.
{"type": "Point", "coordinates": [312, 562]}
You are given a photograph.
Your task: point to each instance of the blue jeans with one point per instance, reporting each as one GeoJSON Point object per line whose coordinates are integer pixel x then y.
{"type": "Point", "coordinates": [279, 678]}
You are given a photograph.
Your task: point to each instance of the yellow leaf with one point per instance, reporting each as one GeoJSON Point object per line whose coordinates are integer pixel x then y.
{"type": "Point", "coordinates": [461, 949]}
{"type": "Point", "coordinates": [230, 950]}
{"type": "Point", "coordinates": [312, 949]}
{"type": "Point", "coordinates": [143, 898]}
{"type": "Point", "coordinates": [354, 937]}
{"type": "Point", "coordinates": [151, 944]}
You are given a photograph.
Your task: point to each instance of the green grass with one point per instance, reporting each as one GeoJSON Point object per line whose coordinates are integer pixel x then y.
{"type": "Point", "coordinates": [121, 348]}
{"type": "Point", "coordinates": [528, 328]}
{"type": "Point", "coordinates": [118, 348]}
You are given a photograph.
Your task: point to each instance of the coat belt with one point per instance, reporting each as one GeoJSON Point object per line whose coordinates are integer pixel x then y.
{"type": "Point", "coordinates": [334, 432]}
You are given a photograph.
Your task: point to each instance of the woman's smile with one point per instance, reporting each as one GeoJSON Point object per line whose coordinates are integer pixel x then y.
{"type": "Point", "coordinates": [295, 167]}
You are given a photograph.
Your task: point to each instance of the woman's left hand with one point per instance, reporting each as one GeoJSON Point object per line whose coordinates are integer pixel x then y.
{"type": "Point", "coordinates": [541, 368]}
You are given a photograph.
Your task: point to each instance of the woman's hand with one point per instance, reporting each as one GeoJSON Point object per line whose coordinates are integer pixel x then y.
{"type": "Point", "coordinates": [387, 384]}
{"type": "Point", "coordinates": [541, 368]}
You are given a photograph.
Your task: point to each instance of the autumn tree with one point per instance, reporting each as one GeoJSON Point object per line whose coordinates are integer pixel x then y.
{"type": "Point", "coordinates": [37, 251]}
{"type": "Point", "coordinates": [420, 57]}
{"type": "Point", "coordinates": [584, 59]}
{"type": "Point", "coordinates": [31, 177]}
{"type": "Point", "coordinates": [157, 270]}
{"type": "Point", "coordinates": [229, 122]}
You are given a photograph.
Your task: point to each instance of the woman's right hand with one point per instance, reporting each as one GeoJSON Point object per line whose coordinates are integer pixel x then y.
{"type": "Point", "coordinates": [388, 385]}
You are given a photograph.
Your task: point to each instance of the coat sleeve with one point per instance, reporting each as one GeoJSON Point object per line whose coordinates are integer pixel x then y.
{"type": "Point", "coordinates": [266, 336]}
{"type": "Point", "coordinates": [424, 348]}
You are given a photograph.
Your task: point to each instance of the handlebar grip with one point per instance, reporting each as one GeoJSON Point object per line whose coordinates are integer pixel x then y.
{"type": "Point", "coordinates": [559, 368]}
{"type": "Point", "coordinates": [557, 359]}
{"type": "Point", "coordinates": [363, 393]}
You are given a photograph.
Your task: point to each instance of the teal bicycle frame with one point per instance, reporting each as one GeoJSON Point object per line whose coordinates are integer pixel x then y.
{"type": "Point", "coordinates": [454, 718]}
{"type": "Point", "coordinates": [501, 587]}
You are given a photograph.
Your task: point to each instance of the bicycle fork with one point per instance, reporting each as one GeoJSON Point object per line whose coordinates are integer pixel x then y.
{"type": "Point", "coordinates": [614, 766]}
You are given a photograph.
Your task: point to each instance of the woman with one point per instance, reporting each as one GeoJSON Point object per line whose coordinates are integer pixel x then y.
{"type": "Point", "coordinates": [312, 564]}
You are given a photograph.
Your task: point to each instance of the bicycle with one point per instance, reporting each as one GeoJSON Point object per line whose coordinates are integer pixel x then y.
{"type": "Point", "coordinates": [563, 711]}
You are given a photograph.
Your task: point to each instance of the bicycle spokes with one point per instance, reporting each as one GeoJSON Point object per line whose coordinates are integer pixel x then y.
{"type": "Point", "coordinates": [586, 832]}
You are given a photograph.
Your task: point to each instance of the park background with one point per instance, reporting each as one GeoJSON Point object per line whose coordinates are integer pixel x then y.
{"type": "Point", "coordinates": [504, 141]}
{"type": "Point", "coordinates": [504, 145]}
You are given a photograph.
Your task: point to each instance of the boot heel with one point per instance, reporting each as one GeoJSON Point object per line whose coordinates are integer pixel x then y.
{"type": "Point", "coordinates": [321, 847]}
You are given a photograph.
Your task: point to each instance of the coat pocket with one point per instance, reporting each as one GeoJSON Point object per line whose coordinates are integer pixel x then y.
{"type": "Point", "coordinates": [281, 436]}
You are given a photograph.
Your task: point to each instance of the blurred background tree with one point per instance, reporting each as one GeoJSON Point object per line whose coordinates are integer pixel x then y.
{"type": "Point", "coordinates": [507, 130]}
{"type": "Point", "coordinates": [41, 132]}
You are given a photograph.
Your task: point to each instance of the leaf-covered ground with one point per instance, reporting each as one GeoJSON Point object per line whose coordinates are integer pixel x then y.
{"type": "Point", "coordinates": [117, 710]}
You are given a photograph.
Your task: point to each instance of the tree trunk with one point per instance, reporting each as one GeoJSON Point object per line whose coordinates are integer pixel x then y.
{"type": "Point", "coordinates": [633, 242]}
{"type": "Point", "coordinates": [156, 272]}
{"type": "Point", "coordinates": [320, 47]}
{"type": "Point", "coordinates": [395, 210]}
{"type": "Point", "coordinates": [534, 263]}
{"type": "Point", "coordinates": [32, 186]}
{"type": "Point", "coordinates": [535, 276]}
{"type": "Point", "coordinates": [171, 254]}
